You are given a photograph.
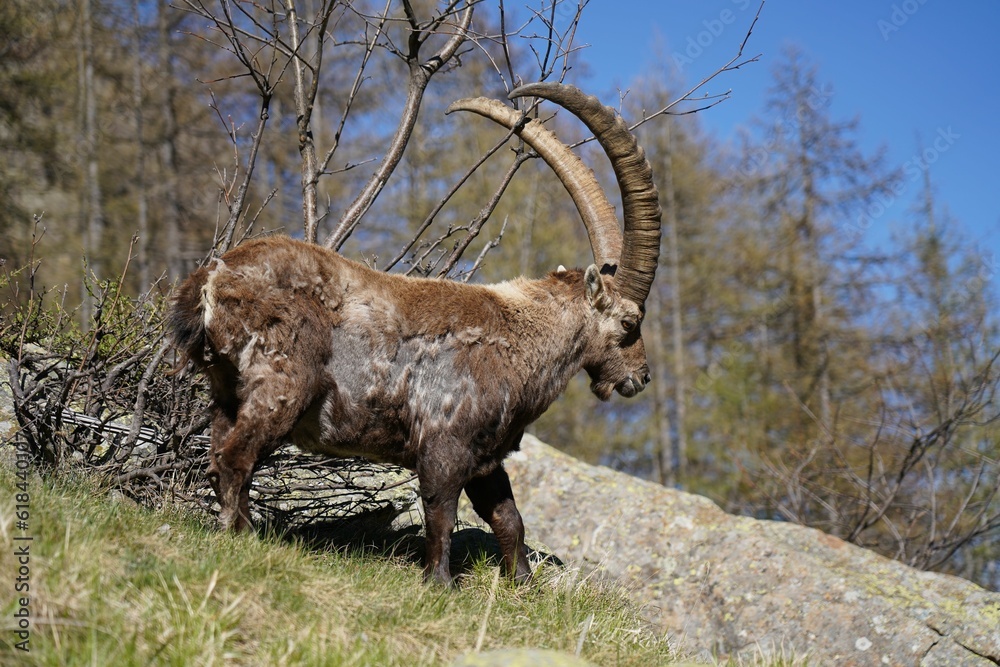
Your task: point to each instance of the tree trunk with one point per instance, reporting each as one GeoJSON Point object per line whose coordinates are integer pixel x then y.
{"type": "Point", "coordinates": [679, 451]}
{"type": "Point", "coordinates": [142, 195]}
{"type": "Point", "coordinates": [816, 366]}
{"type": "Point", "coordinates": [303, 113]}
{"type": "Point", "coordinates": [168, 151]}
{"type": "Point", "coordinates": [317, 116]}
{"type": "Point", "coordinates": [664, 467]}
{"type": "Point", "coordinates": [93, 228]}
{"type": "Point", "coordinates": [672, 459]}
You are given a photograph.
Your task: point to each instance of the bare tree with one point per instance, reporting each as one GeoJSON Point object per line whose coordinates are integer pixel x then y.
{"type": "Point", "coordinates": [168, 145]}
{"type": "Point", "coordinates": [420, 73]}
{"type": "Point", "coordinates": [106, 401]}
{"type": "Point", "coordinates": [93, 225]}
{"type": "Point", "coordinates": [279, 34]}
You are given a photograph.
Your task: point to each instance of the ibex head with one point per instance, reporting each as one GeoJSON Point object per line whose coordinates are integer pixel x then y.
{"type": "Point", "coordinates": [617, 284]}
{"type": "Point", "coordinates": [618, 360]}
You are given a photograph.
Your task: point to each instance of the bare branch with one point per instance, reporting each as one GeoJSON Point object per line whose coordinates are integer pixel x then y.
{"type": "Point", "coordinates": [355, 88]}
{"type": "Point", "coordinates": [493, 243]}
{"type": "Point", "coordinates": [305, 101]}
{"type": "Point", "coordinates": [733, 64]}
{"type": "Point", "coordinates": [444, 200]}
{"type": "Point", "coordinates": [476, 225]}
{"type": "Point", "coordinates": [236, 207]}
{"type": "Point", "coordinates": [420, 76]}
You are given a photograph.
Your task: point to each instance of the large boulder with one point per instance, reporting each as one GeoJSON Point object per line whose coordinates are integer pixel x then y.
{"type": "Point", "coordinates": [723, 584]}
{"type": "Point", "coordinates": [8, 422]}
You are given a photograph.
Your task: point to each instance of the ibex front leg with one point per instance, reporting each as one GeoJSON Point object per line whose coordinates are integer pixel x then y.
{"type": "Point", "coordinates": [493, 500]}
{"type": "Point", "coordinates": [441, 471]}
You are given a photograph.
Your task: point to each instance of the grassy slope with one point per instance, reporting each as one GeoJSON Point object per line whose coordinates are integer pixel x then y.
{"type": "Point", "coordinates": [111, 586]}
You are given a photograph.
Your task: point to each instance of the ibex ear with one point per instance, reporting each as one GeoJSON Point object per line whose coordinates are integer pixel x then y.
{"type": "Point", "coordinates": [597, 292]}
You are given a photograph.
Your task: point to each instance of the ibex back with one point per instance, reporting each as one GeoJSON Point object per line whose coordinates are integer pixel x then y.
{"type": "Point", "coordinates": [302, 344]}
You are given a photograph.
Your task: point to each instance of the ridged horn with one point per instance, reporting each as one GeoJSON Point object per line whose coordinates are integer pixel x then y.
{"type": "Point", "coordinates": [640, 199]}
{"type": "Point", "coordinates": [597, 212]}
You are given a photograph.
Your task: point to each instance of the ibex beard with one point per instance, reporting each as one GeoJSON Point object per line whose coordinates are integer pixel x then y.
{"type": "Point", "coordinates": [302, 344]}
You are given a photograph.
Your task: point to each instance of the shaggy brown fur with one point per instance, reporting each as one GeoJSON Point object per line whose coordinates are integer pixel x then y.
{"type": "Point", "coordinates": [300, 343]}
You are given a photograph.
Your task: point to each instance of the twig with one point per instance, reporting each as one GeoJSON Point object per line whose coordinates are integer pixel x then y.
{"type": "Point", "coordinates": [493, 243]}
{"type": "Point", "coordinates": [420, 76]}
{"type": "Point", "coordinates": [441, 204]}
{"type": "Point", "coordinates": [476, 225]}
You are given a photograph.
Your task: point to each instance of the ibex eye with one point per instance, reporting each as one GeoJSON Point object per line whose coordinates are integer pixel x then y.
{"type": "Point", "coordinates": [628, 325]}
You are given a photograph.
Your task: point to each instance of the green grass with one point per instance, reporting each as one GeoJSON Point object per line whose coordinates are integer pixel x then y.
{"type": "Point", "coordinates": [111, 586]}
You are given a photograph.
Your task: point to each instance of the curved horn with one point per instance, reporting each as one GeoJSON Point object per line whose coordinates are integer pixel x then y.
{"type": "Point", "coordinates": [640, 199]}
{"type": "Point", "coordinates": [597, 212]}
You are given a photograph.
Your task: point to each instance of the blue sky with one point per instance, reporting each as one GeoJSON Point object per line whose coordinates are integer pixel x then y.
{"type": "Point", "coordinates": [905, 68]}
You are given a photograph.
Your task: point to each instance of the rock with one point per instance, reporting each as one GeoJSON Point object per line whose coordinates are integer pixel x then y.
{"type": "Point", "coordinates": [8, 422]}
{"type": "Point", "coordinates": [730, 585]}
{"type": "Point", "coordinates": [527, 657]}
{"type": "Point", "coordinates": [299, 492]}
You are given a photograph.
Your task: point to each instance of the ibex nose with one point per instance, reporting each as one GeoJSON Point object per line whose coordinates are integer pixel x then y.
{"type": "Point", "coordinates": [634, 383]}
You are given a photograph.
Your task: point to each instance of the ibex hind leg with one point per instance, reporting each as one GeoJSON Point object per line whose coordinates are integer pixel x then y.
{"type": "Point", "coordinates": [493, 500]}
{"type": "Point", "coordinates": [241, 440]}
{"type": "Point", "coordinates": [220, 476]}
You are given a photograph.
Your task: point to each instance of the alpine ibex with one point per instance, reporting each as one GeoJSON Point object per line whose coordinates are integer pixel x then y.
{"type": "Point", "coordinates": [302, 344]}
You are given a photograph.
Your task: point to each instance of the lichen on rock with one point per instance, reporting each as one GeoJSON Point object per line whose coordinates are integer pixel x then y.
{"type": "Point", "coordinates": [730, 585]}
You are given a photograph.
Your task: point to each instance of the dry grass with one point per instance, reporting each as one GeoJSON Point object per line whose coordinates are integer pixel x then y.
{"type": "Point", "coordinates": [115, 584]}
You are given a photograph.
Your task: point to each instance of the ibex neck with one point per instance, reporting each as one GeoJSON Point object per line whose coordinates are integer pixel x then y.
{"type": "Point", "coordinates": [548, 324]}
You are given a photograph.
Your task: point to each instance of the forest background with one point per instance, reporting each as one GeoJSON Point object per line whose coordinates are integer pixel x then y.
{"type": "Point", "coordinates": [799, 374]}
